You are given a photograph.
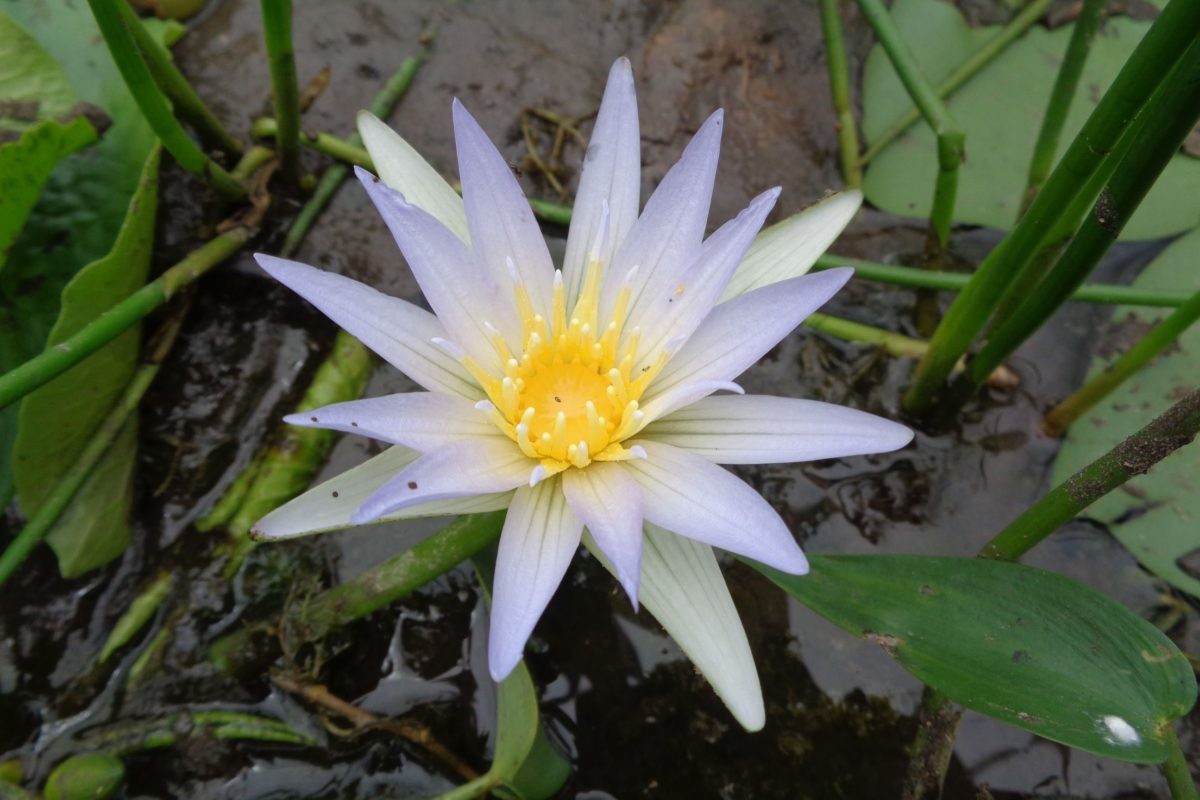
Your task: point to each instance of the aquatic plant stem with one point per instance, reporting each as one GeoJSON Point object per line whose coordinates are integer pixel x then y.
{"type": "Point", "coordinates": [183, 97]}
{"type": "Point", "coordinates": [1153, 58]}
{"type": "Point", "coordinates": [839, 87]}
{"type": "Point", "coordinates": [379, 586]}
{"type": "Point", "coordinates": [1176, 771]}
{"type": "Point", "coordinates": [965, 71]}
{"type": "Point", "coordinates": [42, 368]}
{"type": "Point", "coordinates": [330, 145]}
{"type": "Point", "coordinates": [277, 33]}
{"type": "Point", "coordinates": [1169, 119]}
{"type": "Point", "coordinates": [56, 502]}
{"type": "Point", "coordinates": [1063, 415]}
{"type": "Point", "coordinates": [1065, 84]}
{"type": "Point", "coordinates": [154, 107]}
{"type": "Point", "coordinates": [251, 161]}
{"type": "Point", "coordinates": [1132, 457]}
{"type": "Point", "coordinates": [951, 140]}
{"type": "Point", "coordinates": [382, 106]}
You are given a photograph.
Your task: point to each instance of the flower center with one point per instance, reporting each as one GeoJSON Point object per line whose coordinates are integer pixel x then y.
{"type": "Point", "coordinates": [569, 398]}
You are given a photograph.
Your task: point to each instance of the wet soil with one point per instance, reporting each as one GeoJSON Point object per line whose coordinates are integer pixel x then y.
{"type": "Point", "coordinates": [617, 694]}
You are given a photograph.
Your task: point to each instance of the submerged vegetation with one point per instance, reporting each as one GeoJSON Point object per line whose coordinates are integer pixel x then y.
{"type": "Point", "coordinates": [583, 393]}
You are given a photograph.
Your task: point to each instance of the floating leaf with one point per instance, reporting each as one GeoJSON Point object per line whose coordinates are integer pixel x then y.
{"type": "Point", "coordinates": [33, 87]}
{"type": "Point", "coordinates": [1001, 109]}
{"type": "Point", "coordinates": [1028, 647]}
{"type": "Point", "coordinates": [1156, 515]}
{"type": "Point", "coordinates": [57, 420]}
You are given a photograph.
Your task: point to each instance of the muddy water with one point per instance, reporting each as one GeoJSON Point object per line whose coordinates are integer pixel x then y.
{"type": "Point", "coordinates": [617, 694]}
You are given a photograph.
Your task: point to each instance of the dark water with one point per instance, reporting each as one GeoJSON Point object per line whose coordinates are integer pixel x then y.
{"type": "Point", "coordinates": [617, 694]}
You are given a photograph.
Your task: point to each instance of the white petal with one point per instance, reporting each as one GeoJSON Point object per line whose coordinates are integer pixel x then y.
{"type": "Point", "coordinates": [403, 169]}
{"type": "Point", "coordinates": [681, 395]}
{"type": "Point", "coordinates": [539, 539]}
{"type": "Point", "coordinates": [739, 332]}
{"type": "Point", "coordinates": [683, 588]}
{"type": "Point", "coordinates": [502, 224]}
{"type": "Point", "coordinates": [460, 290]}
{"type": "Point", "coordinates": [673, 311]}
{"type": "Point", "coordinates": [668, 234]}
{"type": "Point", "coordinates": [461, 469]}
{"type": "Point", "coordinates": [609, 502]}
{"type": "Point", "coordinates": [612, 174]}
{"type": "Point", "coordinates": [330, 505]}
{"type": "Point", "coordinates": [758, 429]}
{"type": "Point", "coordinates": [789, 248]}
{"type": "Point", "coordinates": [420, 420]}
{"type": "Point", "coordinates": [398, 331]}
{"type": "Point", "coordinates": [693, 497]}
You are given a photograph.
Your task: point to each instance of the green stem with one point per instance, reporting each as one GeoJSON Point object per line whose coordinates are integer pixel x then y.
{"type": "Point", "coordinates": [1175, 768]}
{"type": "Point", "coordinates": [1063, 415]}
{"type": "Point", "coordinates": [965, 71]}
{"type": "Point", "coordinates": [254, 158]}
{"type": "Point", "coordinates": [377, 587]}
{"type": "Point", "coordinates": [1169, 120]}
{"type": "Point", "coordinates": [150, 100]}
{"type": "Point", "coordinates": [1134, 456]}
{"type": "Point", "coordinates": [1065, 84]}
{"type": "Point", "coordinates": [932, 747]}
{"type": "Point", "coordinates": [277, 31]}
{"type": "Point", "coordinates": [22, 380]}
{"type": "Point", "coordinates": [951, 139]}
{"type": "Point", "coordinates": [896, 344]}
{"type": "Point", "coordinates": [326, 143]}
{"type": "Point", "coordinates": [955, 282]}
{"type": "Point", "coordinates": [331, 180]}
{"type": "Point", "coordinates": [140, 611]}
{"type": "Point", "coordinates": [468, 791]}
{"type": "Point", "coordinates": [1154, 57]}
{"type": "Point", "coordinates": [181, 94]}
{"type": "Point", "coordinates": [839, 87]}
{"type": "Point", "coordinates": [56, 502]}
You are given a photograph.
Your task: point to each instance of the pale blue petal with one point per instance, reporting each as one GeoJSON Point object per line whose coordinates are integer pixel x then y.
{"type": "Point", "coordinates": [693, 497]}
{"type": "Point", "coordinates": [609, 502]}
{"type": "Point", "coordinates": [759, 429]}
{"type": "Point", "coordinates": [612, 174]}
{"type": "Point", "coordinates": [398, 331]}
{"type": "Point", "coordinates": [420, 420]}
{"type": "Point", "coordinates": [537, 544]}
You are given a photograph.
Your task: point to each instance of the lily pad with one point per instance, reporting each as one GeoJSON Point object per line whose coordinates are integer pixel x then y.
{"type": "Point", "coordinates": [1001, 110]}
{"type": "Point", "coordinates": [1157, 515]}
{"type": "Point", "coordinates": [57, 420]}
{"type": "Point", "coordinates": [33, 87]}
{"type": "Point", "coordinates": [1031, 648]}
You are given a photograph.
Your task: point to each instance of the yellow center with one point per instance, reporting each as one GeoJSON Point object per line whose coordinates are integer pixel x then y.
{"type": "Point", "coordinates": [569, 398]}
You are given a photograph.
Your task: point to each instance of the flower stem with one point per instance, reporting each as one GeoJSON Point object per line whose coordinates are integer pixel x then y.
{"type": "Point", "coordinates": [150, 100]}
{"type": "Point", "coordinates": [1154, 57]}
{"type": "Point", "coordinates": [951, 140]}
{"type": "Point", "coordinates": [251, 161]}
{"type": "Point", "coordinates": [1175, 768]}
{"type": "Point", "coordinates": [1065, 84]}
{"type": "Point", "coordinates": [1063, 415]}
{"type": "Point", "coordinates": [22, 380]}
{"type": "Point", "coordinates": [839, 87]}
{"type": "Point", "coordinates": [181, 94]}
{"type": "Point", "coordinates": [1169, 120]}
{"type": "Point", "coordinates": [379, 586]}
{"type": "Point", "coordinates": [896, 344]}
{"type": "Point", "coordinates": [965, 71]}
{"type": "Point", "coordinates": [1134, 456]}
{"type": "Point", "coordinates": [330, 145]}
{"type": "Point", "coordinates": [68, 486]}
{"type": "Point", "coordinates": [277, 32]}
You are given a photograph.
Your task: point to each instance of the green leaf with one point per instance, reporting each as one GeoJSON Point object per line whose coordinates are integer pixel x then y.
{"type": "Point", "coordinates": [1154, 515]}
{"type": "Point", "coordinates": [1001, 109]}
{"type": "Point", "coordinates": [57, 420]}
{"type": "Point", "coordinates": [1028, 647]}
{"type": "Point", "coordinates": [89, 776]}
{"type": "Point", "coordinates": [33, 87]}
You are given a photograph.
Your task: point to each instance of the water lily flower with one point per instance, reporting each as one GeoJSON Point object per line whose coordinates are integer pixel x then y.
{"type": "Point", "coordinates": [585, 400]}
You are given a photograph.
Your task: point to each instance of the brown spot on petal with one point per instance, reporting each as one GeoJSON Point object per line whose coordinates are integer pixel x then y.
{"type": "Point", "coordinates": [412, 484]}
{"type": "Point", "coordinates": [312, 419]}
{"type": "Point", "coordinates": [335, 494]}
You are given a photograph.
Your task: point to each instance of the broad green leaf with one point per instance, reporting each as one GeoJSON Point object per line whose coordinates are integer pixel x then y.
{"type": "Point", "coordinates": [56, 420]}
{"type": "Point", "coordinates": [1156, 515]}
{"type": "Point", "coordinates": [1001, 109]}
{"type": "Point", "coordinates": [1028, 647]}
{"type": "Point", "coordinates": [33, 87]}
